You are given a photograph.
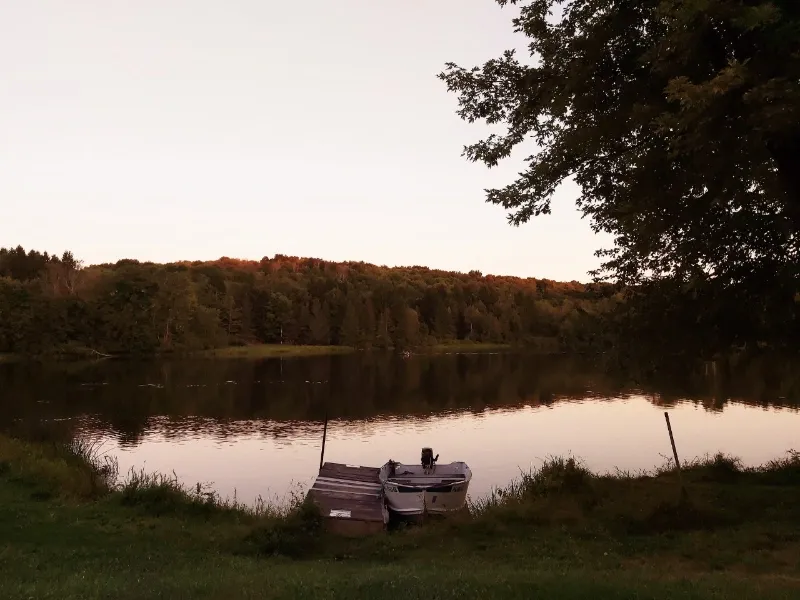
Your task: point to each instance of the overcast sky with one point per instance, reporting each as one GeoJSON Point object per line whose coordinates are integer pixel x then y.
{"type": "Point", "coordinates": [165, 130]}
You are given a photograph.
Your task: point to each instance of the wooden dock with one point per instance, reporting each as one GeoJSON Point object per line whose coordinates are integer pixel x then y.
{"type": "Point", "coordinates": [350, 498]}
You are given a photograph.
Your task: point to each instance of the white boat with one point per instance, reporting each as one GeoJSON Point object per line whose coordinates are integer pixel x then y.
{"type": "Point", "coordinates": [426, 488]}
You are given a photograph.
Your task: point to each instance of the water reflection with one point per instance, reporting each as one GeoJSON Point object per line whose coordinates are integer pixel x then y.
{"type": "Point", "coordinates": [253, 425]}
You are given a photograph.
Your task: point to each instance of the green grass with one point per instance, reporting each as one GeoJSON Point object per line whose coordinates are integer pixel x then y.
{"type": "Point", "coordinates": [466, 346]}
{"type": "Point", "coordinates": [293, 350]}
{"type": "Point", "coordinates": [271, 350]}
{"type": "Point", "coordinates": [539, 344]}
{"type": "Point", "coordinates": [557, 532]}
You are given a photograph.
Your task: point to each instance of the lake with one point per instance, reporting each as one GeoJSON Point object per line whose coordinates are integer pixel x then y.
{"type": "Point", "coordinates": [254, 427]}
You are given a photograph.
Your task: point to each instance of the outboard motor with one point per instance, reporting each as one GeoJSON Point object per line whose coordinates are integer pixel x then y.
{"type": "Point", "coordinates": [428, 459]}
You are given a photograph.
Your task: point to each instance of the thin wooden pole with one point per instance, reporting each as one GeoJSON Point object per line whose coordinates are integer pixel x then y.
{"type": "Point", "coordinates": [675, 454]}
{"type": "Point", "coordinates": [324, 436]}
{"type": "Point", "coordinates": [672, 441]}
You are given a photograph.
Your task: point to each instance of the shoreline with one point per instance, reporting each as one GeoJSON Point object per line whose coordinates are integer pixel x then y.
{"type": "Point", "coordinates": [297, 350]}
{"type": "Point", "coordinates": [69, 519]}
{"type": "Point", "coordinates": [265, 351]}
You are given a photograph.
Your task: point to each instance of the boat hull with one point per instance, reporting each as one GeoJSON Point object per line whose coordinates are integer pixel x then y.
{"type": "Point", "coordinates": [404, 500]}
{"type": "Point", "coordinates": [446, 499]}
{"type": "Point", "coordinates": [427, 492]}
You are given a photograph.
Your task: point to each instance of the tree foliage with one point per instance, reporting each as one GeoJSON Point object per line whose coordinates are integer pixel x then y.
{"type": "Point", "coordinates": [132, 307]}
{"type": "Point", "coordinates": [680, 122]}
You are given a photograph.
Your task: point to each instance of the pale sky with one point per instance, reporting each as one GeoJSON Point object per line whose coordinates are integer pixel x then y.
{"type": "Point", "coordinates": [167, 130]}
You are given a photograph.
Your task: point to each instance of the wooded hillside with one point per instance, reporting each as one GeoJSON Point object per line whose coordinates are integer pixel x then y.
{"type": "Point", "coordinates": [50, 303]}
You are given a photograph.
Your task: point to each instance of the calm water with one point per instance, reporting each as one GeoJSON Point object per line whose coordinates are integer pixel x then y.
{"type": "Point", "coordinates": [255, 426]}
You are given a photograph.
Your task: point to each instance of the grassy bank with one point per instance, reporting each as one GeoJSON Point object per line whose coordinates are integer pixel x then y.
{"type": "Point", "coordinates": [254, 351]}
{"type": "Point", "coordinates": [274, 350]}
{"type": "Point", "coordinates": [288, 351]}
{"type": "Point", "coordinates": [70, 527]}
{"type": "Point", "coordinates": [544, 345]}
{"type": "Point", "coordinates": [465, 346]}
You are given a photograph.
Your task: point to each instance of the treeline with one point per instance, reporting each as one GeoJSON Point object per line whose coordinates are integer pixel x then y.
{"type": "Point", "coordinates": [51, 303]}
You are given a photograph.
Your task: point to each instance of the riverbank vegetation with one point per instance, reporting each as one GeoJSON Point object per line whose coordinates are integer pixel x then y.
{"type": "Point", "coordinates": [465, 346]}
{"type": "Point", "coordinates": [54, 305]}
{"type": "Point", "coordinates": [272, 350]}
{"type": "Point", "coordinates": [73, 528]}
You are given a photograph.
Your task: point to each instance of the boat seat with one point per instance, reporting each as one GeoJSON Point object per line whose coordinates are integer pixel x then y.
{"type": "Point", "coordinates": [453, 476]}
{"type": "Point", "coordinates": [449, 480]}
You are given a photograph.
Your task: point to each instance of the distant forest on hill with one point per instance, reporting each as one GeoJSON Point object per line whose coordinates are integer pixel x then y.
{"type": "Point", "coordinates": [51, 303]}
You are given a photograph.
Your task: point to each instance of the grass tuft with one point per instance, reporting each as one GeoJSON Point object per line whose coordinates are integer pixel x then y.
{"type": "Point", "coordinates": [719, 467]}
{"type": "Point", "coordinates": [557, 476]}
{"type": "Point", "coordinates": [157, 494]}
{"type": "Point", "coordinates": [88, 455]}
{"type": "Point", "coordinates": [76, 468]}
{"type": "Point", "coordinates": [781, 471]}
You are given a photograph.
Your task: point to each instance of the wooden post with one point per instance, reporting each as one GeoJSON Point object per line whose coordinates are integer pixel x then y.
{"type": "Point", "coordinates": [324, 436]}
{"type": "Point", "coordinates": [672, 441]}
{"type": "Point", "coordinates": [675, 454]}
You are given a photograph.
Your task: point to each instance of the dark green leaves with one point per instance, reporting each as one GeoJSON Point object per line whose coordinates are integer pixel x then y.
{"type": "Point", "coordinates": [680, 122]}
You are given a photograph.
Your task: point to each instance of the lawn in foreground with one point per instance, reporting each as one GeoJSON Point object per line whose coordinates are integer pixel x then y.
{"type": "Point", "coordinates": [556, 538]}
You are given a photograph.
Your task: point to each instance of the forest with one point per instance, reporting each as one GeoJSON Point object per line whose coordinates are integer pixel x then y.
{"type": "Point", "coordinates": [52, 304]}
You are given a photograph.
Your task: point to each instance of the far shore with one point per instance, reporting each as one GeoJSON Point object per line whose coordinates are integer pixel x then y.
{"type": "Point", "coordinates": [273, 351]}
{"type": "Point", "coordinates": [270, 350]}
{"type": "Point", "coordinates": [291, 350]}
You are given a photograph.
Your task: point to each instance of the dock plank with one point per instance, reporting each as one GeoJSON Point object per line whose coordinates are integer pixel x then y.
{"type": "Point", "coordinates": [349, 472]}
{"type": "Point", "coordinates": [350, 498]}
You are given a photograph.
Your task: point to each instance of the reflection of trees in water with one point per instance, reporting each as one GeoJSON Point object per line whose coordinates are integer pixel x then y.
{"type": "Point", "coordinates": [763, 381]}
{"type": "Point", "coordinates": [289, 398]}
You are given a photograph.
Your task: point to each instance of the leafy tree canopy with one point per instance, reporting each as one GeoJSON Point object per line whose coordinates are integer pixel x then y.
{"type": "Point", "coordinates": [50, 305]}
{"type": "Point", "coordinates": [678, 119]}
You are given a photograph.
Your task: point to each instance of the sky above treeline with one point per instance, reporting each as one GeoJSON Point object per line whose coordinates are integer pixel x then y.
{"type": "Point", "coordinates": [188, 130]}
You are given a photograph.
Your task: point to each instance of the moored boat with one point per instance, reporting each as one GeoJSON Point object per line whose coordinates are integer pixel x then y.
{"type": "Point", "coordinates": [425, 488]}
